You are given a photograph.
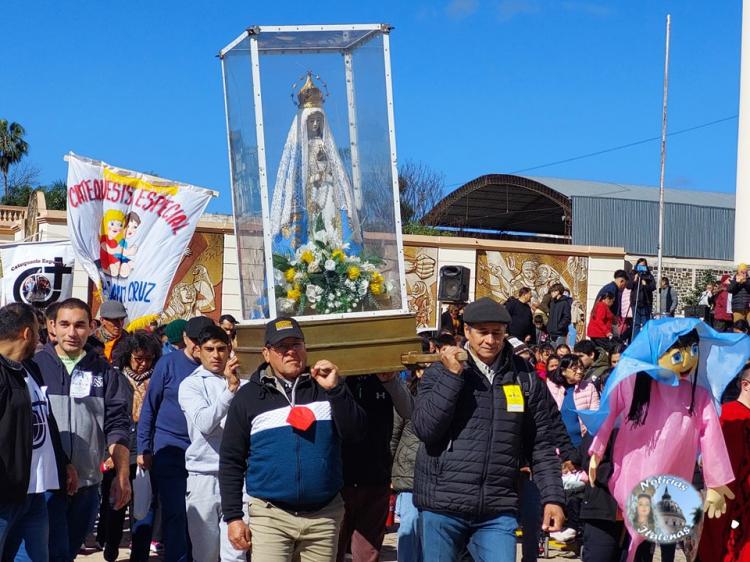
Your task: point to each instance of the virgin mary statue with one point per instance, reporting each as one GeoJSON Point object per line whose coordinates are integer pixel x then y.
{"type": "Point", "coordinates": [313, 197]}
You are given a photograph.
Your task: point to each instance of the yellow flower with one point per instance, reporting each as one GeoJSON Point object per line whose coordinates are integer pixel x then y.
{"type": "Point", "coordinates": [289, 274]}
{"type": "Point", "coordinates": [353, 272]}
{"type": "Point", "coordinates": [338, 255]}
{"type": "Point", "coordinates": [307, 256]}
{"type": "Point", "coordinates": [376, 288]}
{"type": "Point", "coordinates": [377, 278]}
{"type": "Point", "coordinates": [294, 294]}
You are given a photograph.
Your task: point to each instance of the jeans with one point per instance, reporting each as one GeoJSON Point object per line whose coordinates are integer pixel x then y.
{"type": "Point", "coordinates": [409, 547]}
{"type": "Point", "coordinates": [24, 530]}
{"type": "Point", "coordinates": [445, 536]}
{"type": "Point", "coordinates": [169, 477]}
{"type": "Point", "coordinates": [531, 518]}
{"type": "Point", "coordinates": [642, 315]}
{"type": "Point", "coordinates": [70, 520]}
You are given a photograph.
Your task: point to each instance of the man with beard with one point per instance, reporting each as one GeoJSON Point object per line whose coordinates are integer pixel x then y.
{"type": "Point", "coordinates": [32, 460]}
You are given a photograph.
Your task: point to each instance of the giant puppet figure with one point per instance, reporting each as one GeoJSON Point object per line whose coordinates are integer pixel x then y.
{"type": "Point", "coordinates": [663, 395]}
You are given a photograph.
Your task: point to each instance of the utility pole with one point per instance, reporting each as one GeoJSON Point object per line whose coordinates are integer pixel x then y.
{"type": "Point", "coordinates": [660, 243]}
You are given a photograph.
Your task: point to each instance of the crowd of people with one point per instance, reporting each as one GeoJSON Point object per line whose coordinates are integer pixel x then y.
{"type": "Point", "coordinates": [297, 462]}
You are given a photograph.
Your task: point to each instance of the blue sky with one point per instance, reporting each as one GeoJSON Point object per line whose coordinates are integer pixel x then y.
{"type": "Point", "coordinates": [480, 86]}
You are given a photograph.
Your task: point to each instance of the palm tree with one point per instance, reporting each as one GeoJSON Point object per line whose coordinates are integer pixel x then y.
{"type": "Point", "coordinates": [12, 147]}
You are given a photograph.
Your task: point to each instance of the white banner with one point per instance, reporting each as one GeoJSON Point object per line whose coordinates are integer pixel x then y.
{"type": "Point", "coordinates": [129, 230]}
{"type": "Point", "coordinates": [37, 273]}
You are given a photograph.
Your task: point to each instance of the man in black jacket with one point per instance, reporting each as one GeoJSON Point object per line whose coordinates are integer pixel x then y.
{"type": "Point", "coordinates": [560, 315]}
{"type": "Point", "coordinates": [32, 460]}
{"type": "Point", "coordinates": [521, 319]}
{"type": "Point", "coordinates": [367, 465]}
{"type": "Point", "coordinates": [477, 427]}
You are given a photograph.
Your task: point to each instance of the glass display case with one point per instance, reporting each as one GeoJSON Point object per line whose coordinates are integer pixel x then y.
{"type": "Point", "coordinates": [313, 164]}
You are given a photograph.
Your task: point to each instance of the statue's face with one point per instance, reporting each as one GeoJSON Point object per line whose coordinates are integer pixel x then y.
{"type": "Point", "coordinates": [315, 125]}
{"type": "Point", "coordinates": [681, 360]}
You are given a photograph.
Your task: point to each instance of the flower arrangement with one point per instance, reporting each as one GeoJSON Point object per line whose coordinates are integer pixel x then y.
{"type": "Point", "coordinates": [322, 278]}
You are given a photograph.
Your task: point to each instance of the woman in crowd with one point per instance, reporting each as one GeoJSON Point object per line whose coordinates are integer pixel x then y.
{"type": "Point", "coordinates": [134, 358]}
{"type": "Point", "coordinates": [600, 324]}
{"type": "Point", "coordinates": [553, 361]}
{"type": "Point", "coordinates": [572, 393]}
{"type": "Point", "coordinates": [562, 350]}
{"type": "Point", "coordinates": [722, 303]}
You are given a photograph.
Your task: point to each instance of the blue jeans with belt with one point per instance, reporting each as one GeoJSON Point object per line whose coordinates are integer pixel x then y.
{"type": "Point", "coordinates": [492, 539]}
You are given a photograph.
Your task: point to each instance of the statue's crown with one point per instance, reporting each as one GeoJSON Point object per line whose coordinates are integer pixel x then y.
{"type": "Point", "coordinates": [310, 95]}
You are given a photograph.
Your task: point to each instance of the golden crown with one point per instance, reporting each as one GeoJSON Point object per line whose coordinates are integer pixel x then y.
{"type": "Point", "coordinates": [310, 95]}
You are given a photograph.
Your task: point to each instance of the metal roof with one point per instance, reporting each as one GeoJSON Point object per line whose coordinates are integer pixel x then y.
{"type": "Point", "coordinates": [588, 188]}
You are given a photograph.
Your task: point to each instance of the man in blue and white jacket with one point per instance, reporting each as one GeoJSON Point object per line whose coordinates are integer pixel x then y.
{"type": "Point", "coordinates": [282, 439]}
{"type": "Point", "coordinates": [205, 397]}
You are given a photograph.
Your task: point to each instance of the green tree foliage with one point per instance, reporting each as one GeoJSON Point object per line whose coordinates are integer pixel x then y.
{"type": "Point", "coordinates": [12, 148]}
{"type": "Point", "coordinates": [55, 195]}
{"type": "Point", "coordinates": [705, 277]}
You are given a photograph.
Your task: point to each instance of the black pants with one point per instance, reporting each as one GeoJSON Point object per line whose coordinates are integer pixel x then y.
{"type": "Point", "coordinates": [602, 541]}
{"type": "Point", "coordinates": [109, 531]}
{"type": "Point", "coordinates": [644, 552]}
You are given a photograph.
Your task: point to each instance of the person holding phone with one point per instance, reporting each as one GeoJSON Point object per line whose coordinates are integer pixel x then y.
{"type": "Point", "coordinates": [642, 286]}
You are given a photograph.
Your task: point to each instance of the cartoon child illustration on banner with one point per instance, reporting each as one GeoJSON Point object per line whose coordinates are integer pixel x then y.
{"type": "Point", "coordinates": [111, 234]}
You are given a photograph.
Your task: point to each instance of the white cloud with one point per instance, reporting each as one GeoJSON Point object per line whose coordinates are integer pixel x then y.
{"type": "Point", "coordinates": [588, 8]}
{"type": "Point", "coordinates": [459, 9]}
{"type": "Point", "coordinates": [508, 9]}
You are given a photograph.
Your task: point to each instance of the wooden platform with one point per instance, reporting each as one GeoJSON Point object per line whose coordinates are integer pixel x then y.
{"type": "Point", "coordinates": [357, 346]}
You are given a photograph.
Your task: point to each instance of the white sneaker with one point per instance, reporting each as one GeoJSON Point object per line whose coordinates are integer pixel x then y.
{"type": "Point", "coordinates": [566, 535]}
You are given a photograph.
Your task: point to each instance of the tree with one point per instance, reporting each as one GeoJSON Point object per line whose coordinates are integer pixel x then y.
{"type": "Point", "coordinates": [55, 195]}
{"type": "Point", "coordinates": [420, 189]}
{"type": "Point", "coordinates": [705, 277]}
{"type": "Point", "coordinates": [12, 148]}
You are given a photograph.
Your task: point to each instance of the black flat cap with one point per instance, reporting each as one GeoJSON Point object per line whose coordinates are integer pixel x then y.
{"type": "Point", "coordinates": [196, 325]}
{"type": "Point", "coordinates": [485, 310]}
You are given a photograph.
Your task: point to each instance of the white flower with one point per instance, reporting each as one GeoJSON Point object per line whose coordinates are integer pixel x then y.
{"type": "Point", "coordinates": [278, 276]}
{"type": "Point", "coordinates": [362, 290]}
{"type": "Point", "coordinates": [330, 265]}
{"type": "Point", "coordinates": [314, 266]}
{"type": "Point", "coordinates": [313, 293]}
{"type": "Point", "coordinates": [285, 305]}
{"type": "Point", "coordinates": [337, 303]}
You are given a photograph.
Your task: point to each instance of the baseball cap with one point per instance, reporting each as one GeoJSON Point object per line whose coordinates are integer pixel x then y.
{"type": "Point", "coordinates": [112, 309]}
{"type": "Point", "coordinates": [195, 326]}
{"type": "Point", "coordinates": [485, 310]}
{"type": "Point", "coordinates": [282, 328]}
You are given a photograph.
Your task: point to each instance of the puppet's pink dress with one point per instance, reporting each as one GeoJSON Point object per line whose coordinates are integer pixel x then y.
{"type": "Point", "coordinates": [667, 443]}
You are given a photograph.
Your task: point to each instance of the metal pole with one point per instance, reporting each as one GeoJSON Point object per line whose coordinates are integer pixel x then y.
{"type": "Point", "coordinates": [742, 204]}
{"type": "Point", "coordinates": [660, 243]}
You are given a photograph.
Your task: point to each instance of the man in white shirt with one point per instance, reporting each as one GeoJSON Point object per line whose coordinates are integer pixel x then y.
{"type": "Point", "coordinates": [205, 396]}
{"type": "Point", "coordinates": [32, 460]}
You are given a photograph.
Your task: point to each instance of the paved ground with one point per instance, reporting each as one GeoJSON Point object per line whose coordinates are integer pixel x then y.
{"type": "Point", "coordinates": [388, 553]}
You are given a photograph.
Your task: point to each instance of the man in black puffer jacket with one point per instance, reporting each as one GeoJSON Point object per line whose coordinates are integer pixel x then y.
{"type": "Point", "coordinates": [476, 428]}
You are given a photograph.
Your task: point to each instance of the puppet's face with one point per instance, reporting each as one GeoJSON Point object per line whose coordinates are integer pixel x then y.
{"type": "Point", "coordinates": [680, 360]}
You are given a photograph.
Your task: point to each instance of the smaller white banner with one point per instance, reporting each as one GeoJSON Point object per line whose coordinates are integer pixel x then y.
{"type": "Point", "coordinates": [37, 273]}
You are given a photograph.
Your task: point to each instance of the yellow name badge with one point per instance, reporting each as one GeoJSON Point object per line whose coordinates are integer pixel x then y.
{"type": "Point", "coordinates": [513, 397]}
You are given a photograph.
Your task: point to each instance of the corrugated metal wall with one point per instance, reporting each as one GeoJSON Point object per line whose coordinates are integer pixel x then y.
{"type": "Point", "coordinates": [689, 231]}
